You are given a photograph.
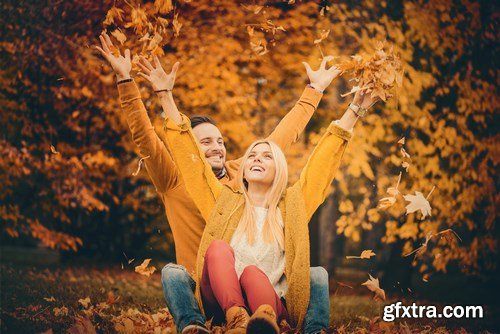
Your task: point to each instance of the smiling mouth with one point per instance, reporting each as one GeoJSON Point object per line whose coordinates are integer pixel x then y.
{"type": "Point", "coordinates": [257, 169]}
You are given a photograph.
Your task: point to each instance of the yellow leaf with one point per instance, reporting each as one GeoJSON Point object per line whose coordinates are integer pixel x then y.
{"type": "Point", "coordinates": [143, 268]}
{"type": "Point", "coordinates": [366, 254]}
{"type": "Point", "coordinates": [119, 35]}
{"type": "Point", "coordinates": [373, 285]}
{"type": "Point", "coordinates": [84, 302]}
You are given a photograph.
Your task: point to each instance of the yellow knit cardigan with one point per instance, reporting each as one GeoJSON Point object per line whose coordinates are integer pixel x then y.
{"type": "Point", "coordinates": [222, 206]}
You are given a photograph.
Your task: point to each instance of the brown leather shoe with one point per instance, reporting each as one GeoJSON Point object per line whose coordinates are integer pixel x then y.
{"type": "Point", "coordinates": [236, 320]}
{"type": "Point", "coordinates": [263, 321]}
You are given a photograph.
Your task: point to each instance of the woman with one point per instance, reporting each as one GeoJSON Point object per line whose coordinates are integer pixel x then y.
{"type": "Point", "coordinates": [254, 253]}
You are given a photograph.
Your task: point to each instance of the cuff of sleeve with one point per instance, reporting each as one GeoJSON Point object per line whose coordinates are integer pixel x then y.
{"type": "Point", "coordinates": [311, 96]}
{"type": "Point", "coordinates": [339, 131]}
{"type": "Point", "coordinates": [128, 90]}
{"type": "Point", "coordinates": [184, 125]}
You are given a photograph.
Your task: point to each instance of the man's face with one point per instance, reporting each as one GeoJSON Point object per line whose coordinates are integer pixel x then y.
{"type": "Point", "coordinates": [212, 144]}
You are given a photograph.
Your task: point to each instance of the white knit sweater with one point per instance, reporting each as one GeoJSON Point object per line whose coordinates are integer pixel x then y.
{"type": "Point", "coordinates": [267, 256]}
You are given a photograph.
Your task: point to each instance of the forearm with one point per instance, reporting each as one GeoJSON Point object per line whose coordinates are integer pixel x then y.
{"type": "Point", "coordinates": [169, 107]}
{"type": "Point", "coordinates": [348, 120]}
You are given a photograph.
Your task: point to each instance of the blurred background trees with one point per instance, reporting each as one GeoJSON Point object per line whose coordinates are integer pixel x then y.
{"type": "Point", "coordinates": [68, 159]}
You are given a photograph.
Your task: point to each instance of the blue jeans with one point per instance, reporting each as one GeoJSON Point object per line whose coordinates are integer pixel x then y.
{"type": "Point", "coordinates": [318, 311]}
{"type": "Point", "coordinates": [178, 289]}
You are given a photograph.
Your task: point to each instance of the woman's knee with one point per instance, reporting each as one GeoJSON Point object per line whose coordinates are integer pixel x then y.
{"type": "Point", "coordinates": [218, 250]}
{"type": "Point", "coordinates": [250, 274]}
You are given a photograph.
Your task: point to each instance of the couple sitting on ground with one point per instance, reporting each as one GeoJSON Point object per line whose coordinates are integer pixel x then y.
{"type": "Point", "coordinates": [241, 235]}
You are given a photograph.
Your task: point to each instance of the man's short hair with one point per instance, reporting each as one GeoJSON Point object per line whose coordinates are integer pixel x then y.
{"type": "Point", "coordinates": [197, 120]}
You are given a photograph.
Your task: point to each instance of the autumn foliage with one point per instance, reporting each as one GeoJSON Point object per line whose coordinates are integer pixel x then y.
{"type": "Point", "coordinates": [67, 157]}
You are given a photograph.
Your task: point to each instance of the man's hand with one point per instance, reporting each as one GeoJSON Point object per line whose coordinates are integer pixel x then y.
{"type": "Point", "coordinates": [120, 64]}
{"type": "Point", "coordinates": [322, 78]}
{"type": "Point", "coordinates": [158, 78]}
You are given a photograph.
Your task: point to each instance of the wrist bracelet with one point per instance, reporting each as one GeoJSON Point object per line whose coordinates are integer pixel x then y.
{"type": "Point", "coordinates": [162, 90]}
{"type": "Point", "coordinates": [358, 110]}
{"type": "Point", "coordinates": [310, 86]}
{"type": "Point", "coordinates": [124, 81]}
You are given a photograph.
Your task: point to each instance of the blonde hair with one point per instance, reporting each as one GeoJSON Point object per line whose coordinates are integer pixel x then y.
{"type": "Point", "coordinates": [273, 227]}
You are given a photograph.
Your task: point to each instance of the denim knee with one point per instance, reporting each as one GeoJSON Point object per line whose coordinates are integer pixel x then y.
{"type": "Point", "coordinates": [319, 275]}
{"type": "Point", "coordinates": [172, 272]}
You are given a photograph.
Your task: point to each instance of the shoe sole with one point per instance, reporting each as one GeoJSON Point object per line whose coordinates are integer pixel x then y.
{"type": "Point", "coordinates": [261, 326]}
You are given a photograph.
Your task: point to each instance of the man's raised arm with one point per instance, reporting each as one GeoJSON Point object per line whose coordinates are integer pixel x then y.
{"type": "Point", "coordinates": [158, 161]}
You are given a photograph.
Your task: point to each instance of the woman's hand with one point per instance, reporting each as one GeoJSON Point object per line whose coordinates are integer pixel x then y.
{"type": "Point", "coordinates": [159, 79]}
{"type": "Point", "coordinates": [364, 99]}
{"type": "Point", "coordinates": [322, 78]}
{"type": "Point", "coordinates": [120, 64]}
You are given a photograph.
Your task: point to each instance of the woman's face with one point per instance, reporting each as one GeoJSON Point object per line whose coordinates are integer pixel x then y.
{"type": "Point", "coordinates": [260, 166]}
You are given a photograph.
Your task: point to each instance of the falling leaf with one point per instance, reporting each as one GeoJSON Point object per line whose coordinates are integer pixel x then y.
{"type": "Point", "coordinates": [404, 153]}
{"type": "Point", "coordinates": [177, 25]}
{"type": "Point", "coordinates": [423, 248]}
{"type": "Point", "coordinates": [113, 13]}
{"type": "Point", "coordinates": [155, 41]}
{"type": "Point", "coordinates": [253, 8]}
{"type": "Point", "coordinates": [139, 165]}
{"type": "Point", "coordinates": [85, 302]}
{"type": "Point", "coordinates": [386, 202]}
{"type": "Point", "coordinates": [353, 90]}
{"type": "Point", "coordinates": [119, 35]}
{"type": "Point", "coordinates": [50, 300]}
{"type": "Point", "coordinates": [164, 6]}
{"type": "Point", "coordinates": [449, 235]}
{"type": "Point", "coordinates": [324, 34]}
{"type": "Point", "coordinates": [259, 47]}
{"type": "Point", "coordinates": [373, 285]}
{"type": "Point", "coordinates": [62, 311]}
{"type": "Point", "coordinates": [418, 202]}
{"type": "Point", "coordinates": [130, 261]}
{"type": "Point", "coordinates": [143, 268]}
{"type": "Point", "coordinates": [401, 141]}
{"type": "Point", "coordinates": [53, 149]}
{"type": "Point", "coordinates": [366, 254]}
{"type": "Point", "coordinates": [405, 165]}
{"type": "Point", "coordinates": [394, 191]}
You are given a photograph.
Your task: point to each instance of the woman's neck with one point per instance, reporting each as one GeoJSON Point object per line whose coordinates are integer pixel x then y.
{"type": "Point", "coordinates": [257, 194]}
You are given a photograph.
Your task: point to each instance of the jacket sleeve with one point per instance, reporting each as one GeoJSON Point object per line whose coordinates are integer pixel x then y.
{"type": "Point", "coordinates": [291, 126]}
{"type": "Point", "coordinates": [160, 165]}
{"type": "Point", "coordinates": [201, 183]}
{"type": "Point", "coordinates": [323, 164]}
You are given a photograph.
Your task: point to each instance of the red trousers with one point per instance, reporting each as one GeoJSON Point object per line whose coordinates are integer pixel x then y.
{"type": "Point", "coordinates": [221, 289]}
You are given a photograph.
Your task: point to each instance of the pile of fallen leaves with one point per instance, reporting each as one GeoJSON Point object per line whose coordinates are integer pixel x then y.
{"type": "Point", "coordinates": [377, 73]}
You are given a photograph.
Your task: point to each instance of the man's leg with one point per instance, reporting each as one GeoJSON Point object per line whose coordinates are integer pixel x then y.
{"type": "Point", "coordinates": [318, 312]}
{"type": "Point", "coordinates": [178, 287]}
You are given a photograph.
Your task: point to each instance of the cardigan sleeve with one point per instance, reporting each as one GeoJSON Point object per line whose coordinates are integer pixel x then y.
{"type": "Point", "coordinates": [199, 179]}
{"type": "Point", "coordinates": [291, 126]}
{"type": "Point", "coordinates": [322, 166]}
{"type": "Point", "coordinates": [159, 164]}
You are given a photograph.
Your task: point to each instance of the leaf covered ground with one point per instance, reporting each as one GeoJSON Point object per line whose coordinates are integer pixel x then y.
{"type": "Point", "coordinates": [88, 300]}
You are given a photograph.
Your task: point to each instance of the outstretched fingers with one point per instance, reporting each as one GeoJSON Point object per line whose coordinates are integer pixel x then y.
{"type": "Point", "coordinates": [157, 62]}
{"type": "Point", "coordinates": [175, 68]}
{"type": "Point", "coordinates": [308, 67]}
{"type": "Point", "coordinates": [147, 77]}
{"type": "Point", "coordinates": [324, 61]}
{"type": "Point", "coordinates": [146, 63]}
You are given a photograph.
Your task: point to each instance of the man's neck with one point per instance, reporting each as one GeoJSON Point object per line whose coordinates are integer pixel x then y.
{"type": "Point", "coordinates": [219, 173]}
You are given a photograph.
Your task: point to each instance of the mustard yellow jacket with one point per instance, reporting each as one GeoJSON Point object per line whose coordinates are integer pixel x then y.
{"type": "Point", "coordinates": [222, 206]}
{"type": "Point", "coordinates": [184, 218]}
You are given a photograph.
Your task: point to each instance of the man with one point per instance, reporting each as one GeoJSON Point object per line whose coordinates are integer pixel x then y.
{"type": "Point", "coordinates": [186, 222]}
